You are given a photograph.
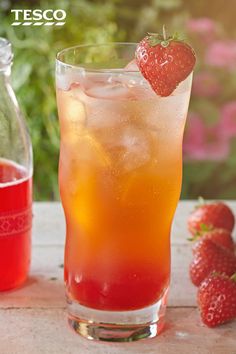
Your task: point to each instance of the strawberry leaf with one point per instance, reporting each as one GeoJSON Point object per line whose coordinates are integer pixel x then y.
{"type": "Point", "coordinates": [215, 274]}
{"type": "Point", "coordinates": [196, 236]}
{"type": "Point", "coordinates": [205, 228]}
{"type": "Point", "coordinates": [177, 37]}
{"type": "Point", "coordinates": [154, 40]}
{"type": "Point", "coordinates": [233, 277]}
{"type": "Point", "coordinates": [191, 239]}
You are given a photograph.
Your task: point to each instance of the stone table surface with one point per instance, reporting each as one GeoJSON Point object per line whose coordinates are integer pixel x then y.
{"type": "Point", "coordinates": [33, 318]}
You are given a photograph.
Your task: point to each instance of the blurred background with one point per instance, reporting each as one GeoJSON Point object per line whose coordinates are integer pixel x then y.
{"type": "Point", "coordinates": [210, 137]}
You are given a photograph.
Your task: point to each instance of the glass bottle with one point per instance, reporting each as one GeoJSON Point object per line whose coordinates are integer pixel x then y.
{"type": "Point", "coordinates": [15, 182]}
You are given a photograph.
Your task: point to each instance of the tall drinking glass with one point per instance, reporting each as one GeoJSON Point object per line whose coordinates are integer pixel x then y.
{"type": "Point", "coordinates": [120, 177]}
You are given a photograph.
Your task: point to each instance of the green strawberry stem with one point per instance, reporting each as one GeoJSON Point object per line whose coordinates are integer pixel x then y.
{"type": "Point", "coordinates": [217, 274]}
{"type": "Point", "coordinates": [233, 277]}
{"type": "Point", "coordinates": [205, 228]}
{"type": "Point", "coordinates": [162, 39]}
{"type": "Point", "coordinates": [198, 234]}
{"type": "Point", "coordinates": [201, 201]}
{"type": "Point", "coordinates": [164, 32]}
{"type": "Point", "coordinates": [166, 41]}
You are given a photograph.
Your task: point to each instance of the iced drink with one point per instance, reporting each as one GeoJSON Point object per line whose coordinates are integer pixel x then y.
{"type": "Point", "coordinates": [120, 177]}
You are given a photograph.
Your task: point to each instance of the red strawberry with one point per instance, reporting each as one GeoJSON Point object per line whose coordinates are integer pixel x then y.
{"type": "Point", "coordinates": [216, 215]}
{"type": "Point", "coordinates": [221, 237]}
{"type": "Point", "coordinates": [210, 257]}
{"type": "Point", "coordinates": [217, 299]}
{"type": "Point", "coordinates": [164, 61]}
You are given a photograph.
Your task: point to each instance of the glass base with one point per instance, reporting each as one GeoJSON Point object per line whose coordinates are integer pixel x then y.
{"type": "Point", "coordinates": [117, 326]}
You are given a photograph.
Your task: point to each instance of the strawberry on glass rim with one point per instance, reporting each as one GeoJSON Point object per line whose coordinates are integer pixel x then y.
{"type": "Point", "coordinates": [164, 61]}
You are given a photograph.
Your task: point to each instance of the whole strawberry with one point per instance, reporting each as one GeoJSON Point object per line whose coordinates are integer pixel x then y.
{"type": "Point", "coordinates": [215, 215]}
{"type": "Point", "coordinates": [221, 237]}
{"type": "Point", "coordinates": [210, 257]}
{"type": "Point", "coordinates": [217, 299]}
{"type": "Point", "coordinates": [164, 61]}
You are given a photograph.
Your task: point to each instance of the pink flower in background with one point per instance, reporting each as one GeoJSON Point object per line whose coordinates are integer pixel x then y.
{"type": "Point", "coordinates": [216, 145]}
{"type": "Point", "coordinates": [222, 54]}
{"type": "Point", "coordinates": [204, 27]}
{"type": "Point", "coordinates": [228, 119]}
{"type": "Point", "coordinates": [205, 85]}
{"type": "Point", "coordinates": [194, 137]}
{"type": "Point", "coordinates": [204, 143]}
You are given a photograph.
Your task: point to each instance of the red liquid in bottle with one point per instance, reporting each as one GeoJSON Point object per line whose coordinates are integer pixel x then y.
{"type": "Point", "coordinates": [15, 224]}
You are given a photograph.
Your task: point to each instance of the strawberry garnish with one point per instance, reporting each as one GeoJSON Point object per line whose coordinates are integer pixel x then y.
{"type": "Point", "coordinates": [221, 237]}
{"type": "Point", "coordinates": [217, 299]}
{"type": "Point", "coordinates": [210, 257]}
{"type": "Point", "coordinates": [164, 61]}
{"type": "Point", "coordinates": [214, 215]}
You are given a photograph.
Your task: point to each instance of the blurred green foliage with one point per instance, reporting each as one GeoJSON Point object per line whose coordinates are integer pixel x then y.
{"type": "Point", "coordinates": [97, 21]}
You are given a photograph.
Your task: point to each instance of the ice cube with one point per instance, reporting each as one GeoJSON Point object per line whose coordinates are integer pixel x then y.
{"type": "Point", "coordinates": [72, 115]}
{"type": "Point", "coordinates": [90, 79]}
{"type": "Point", "coordinates": [143, 91]}
{"type": "Point", "coordinates": [130, 147]}
{"type": "Point", "coordinates": [73, 109]}
{"type": "Point", "coordinates": [87, 151]}
{"type": "Point", "coordinates": [122, 86]}
{"type": "Point", "coordinates": [97, 150]}
{"type": "Point", "coordinates": [65, 78]}
{"type": "Point", "coordinates": [106, 105]}
{"type": "Point", "coordinates": [137, 147]}
{"type": "Point", "coordinates": [112, 91]}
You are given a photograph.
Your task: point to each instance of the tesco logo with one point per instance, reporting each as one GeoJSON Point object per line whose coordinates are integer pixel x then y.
{"type": "Point", "coordinates": [38, 17]}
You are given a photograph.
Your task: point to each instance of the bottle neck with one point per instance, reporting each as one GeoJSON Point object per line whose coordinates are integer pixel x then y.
{"type": "Point", "coordinates": [5, 74]}
{"type": "Point", "coordinates": [7, 95]}
{"type": "Point", "coordinates": [6, 57]}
